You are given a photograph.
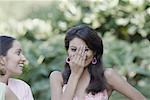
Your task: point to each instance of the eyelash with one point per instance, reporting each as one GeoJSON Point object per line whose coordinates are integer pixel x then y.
{"type": "Point", "coordinates": [75, 49]}
{"type": "Point", "coordinates": [86, 49]}
{"type": "Point", "coordinates": [18, 53]}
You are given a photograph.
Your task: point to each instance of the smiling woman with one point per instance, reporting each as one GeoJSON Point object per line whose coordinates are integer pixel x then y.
{"type": "Point", "coordinates": [84, 77]}
{"type": "Point", "coordinates": [11, 63]}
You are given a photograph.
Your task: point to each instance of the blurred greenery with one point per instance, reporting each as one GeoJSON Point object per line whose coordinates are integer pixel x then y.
{"type": "Point", "coordinates": [41, 25]}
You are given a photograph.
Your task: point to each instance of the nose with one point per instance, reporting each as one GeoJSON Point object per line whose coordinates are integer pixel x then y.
{"type": "Point", "coordinates": [23, 58]}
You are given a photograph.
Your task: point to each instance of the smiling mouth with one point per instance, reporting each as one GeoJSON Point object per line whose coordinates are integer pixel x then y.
{"type": "Point", "coordinates": [21, 65]}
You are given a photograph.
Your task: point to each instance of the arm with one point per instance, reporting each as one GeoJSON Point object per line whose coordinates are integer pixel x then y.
{"type": "Point", "coordinates": [121, 85]}
{"type": "Point", "coordinates": [56, 83]}
{"type": "Point", "coordinates": [77, 64]}
{"type": "Point", "coordinates": [10, 95]}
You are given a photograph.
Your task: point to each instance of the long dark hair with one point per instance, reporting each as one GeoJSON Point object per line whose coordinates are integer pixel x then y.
{"type": "Point", "coordinates": [5, 44]}
{"type": "Point", "coordinates": [94, 42]}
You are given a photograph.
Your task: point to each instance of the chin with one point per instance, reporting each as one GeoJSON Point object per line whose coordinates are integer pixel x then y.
{"type": "Point", "coordinates": [87, 63]}
{"type": "Point", "coordinates": [18, 73]}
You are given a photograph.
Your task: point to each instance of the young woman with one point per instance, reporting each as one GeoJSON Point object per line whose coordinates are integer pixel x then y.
{"type": "Point", "coordinates": [11, 64]}
{"type": "Point", "coordinates": [84, 77]}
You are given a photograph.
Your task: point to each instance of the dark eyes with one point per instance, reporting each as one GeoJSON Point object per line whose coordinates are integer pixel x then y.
{"type": "Point", "coordinates": [87, 49]}
{"type": "Point", "coordinates": [18, 52]}
{"type": "Point", "coordinates": [74, 49]}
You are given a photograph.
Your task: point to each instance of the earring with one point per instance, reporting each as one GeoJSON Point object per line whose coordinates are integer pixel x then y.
{"type": "Point", "coordinates": [2, 67]}
{"type": "Point", "coordinates": [94, 61]}
{"type": "Point", "coordinates": [2, 71]}
{"type": "Point", "coordinates": [67, 60]}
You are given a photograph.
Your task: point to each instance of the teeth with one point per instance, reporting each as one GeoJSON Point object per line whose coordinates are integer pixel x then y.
{"type": "Point", "coordinates": [21, 65]}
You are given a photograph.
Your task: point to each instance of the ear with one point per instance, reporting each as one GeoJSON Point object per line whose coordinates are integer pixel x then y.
{"type": "Point", "coordinates": [2, 64]}
{"type": "Point", "coordinates": [2, 60]}
{"type": "Point", "coordinates": [94, 53]}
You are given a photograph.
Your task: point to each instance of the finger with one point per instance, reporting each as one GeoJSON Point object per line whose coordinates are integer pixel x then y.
{"type": "Point", "coordinates": [82, 50]}
{"type": "Point", "coordinates": [78, 59]}
{"type": "Point", "coordinates": [82, 54]}
{"type": "Point", "coordinates": [83, 59]}
{"type": "Point", "coordinates": [78, 53]}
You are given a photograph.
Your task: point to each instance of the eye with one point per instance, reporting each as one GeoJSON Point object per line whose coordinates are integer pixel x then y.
{"type": "Point", "coordinates": [18, 52]}
{"type": "Point", "coordinates": [86, 49]}
{"type": "Point", "coordinates": [73, 49]}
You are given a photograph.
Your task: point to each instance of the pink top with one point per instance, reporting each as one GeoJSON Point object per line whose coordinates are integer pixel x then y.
{"type": "Point", "coordinates": [99, 96]}
{"type": "Point", "coordinates": [21, 89]}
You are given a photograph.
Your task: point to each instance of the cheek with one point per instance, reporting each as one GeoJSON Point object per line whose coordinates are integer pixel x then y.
{"type": "Point", "coordinates": [70, 53]}
{"type": "Point", "coordinates": [13, 61]}
{"type": "Point", "coordinates": [89, 55]}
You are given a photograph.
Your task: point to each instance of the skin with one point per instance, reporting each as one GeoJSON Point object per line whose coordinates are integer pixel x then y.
{"type": "Point", "coordinates": [14, 66]}
{"type": "Point", "coordinates": [79, 78]}
{"type": "Point", "coordinates": [13, 63]}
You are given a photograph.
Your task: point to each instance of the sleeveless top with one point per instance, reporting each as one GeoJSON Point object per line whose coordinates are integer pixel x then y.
{"type": "Point", "coordinates": [99, 96]}
{"type": "Point", "coordinates": [2, 91]}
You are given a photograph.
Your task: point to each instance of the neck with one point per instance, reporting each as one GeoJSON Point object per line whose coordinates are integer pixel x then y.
{"type": "Point", "coordinates": [4, 79]}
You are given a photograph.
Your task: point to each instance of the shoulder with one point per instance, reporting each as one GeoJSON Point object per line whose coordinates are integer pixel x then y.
{"type": "Point", "coordinates": [109, 72]}
{"type": "Point", "coordinates": [19, 82]}
{"type": "Point", "coordinates": [20, 88]}
{"type": "Point", "coordinates": [56, 76]}
{"type": "Point", "coordinates": [112, 77]}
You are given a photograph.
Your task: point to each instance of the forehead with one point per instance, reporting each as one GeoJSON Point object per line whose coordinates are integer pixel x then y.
{"type": "Point", "coordinates": [77, 42]}
{"type": "Point", "coordinates": [16, 45]}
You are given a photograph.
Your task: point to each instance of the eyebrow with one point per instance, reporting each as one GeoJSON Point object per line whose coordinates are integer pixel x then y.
{"type": "Point", "coordinates": [19, 49]}
{"type": "Point", "coordinates": [75, 47]}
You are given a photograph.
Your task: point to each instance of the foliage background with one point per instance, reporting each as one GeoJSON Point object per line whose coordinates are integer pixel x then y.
{"type": "Point", "coordinates": [41, 25]}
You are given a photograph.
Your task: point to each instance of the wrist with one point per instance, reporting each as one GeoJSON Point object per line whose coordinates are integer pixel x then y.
{"type": "Point", "coordinates": [75, 75]}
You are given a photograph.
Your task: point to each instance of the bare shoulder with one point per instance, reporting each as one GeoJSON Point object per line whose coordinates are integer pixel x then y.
{"type": "Point", "coordinates": [120, 84]}
{"type": "Point", "coordinates": [56, 76]}
{"type": "Point", "coordinates": [112, 76]}
{"type": "Point", "coordinates": [109, 73]}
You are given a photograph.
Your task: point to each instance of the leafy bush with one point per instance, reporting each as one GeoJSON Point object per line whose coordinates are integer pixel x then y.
{"type": "Point", "coordinates": [123, 24]}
